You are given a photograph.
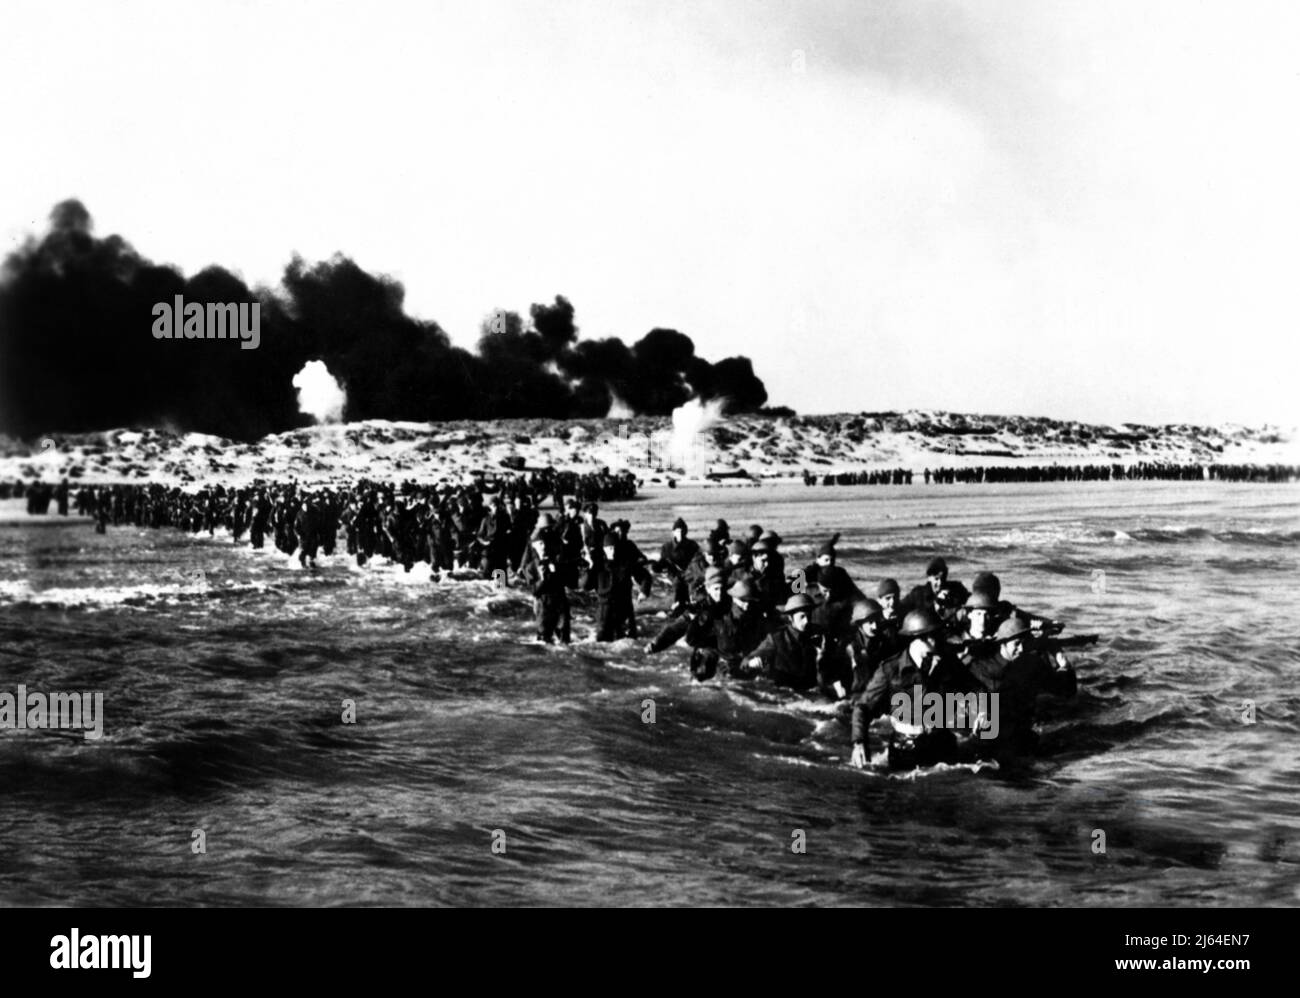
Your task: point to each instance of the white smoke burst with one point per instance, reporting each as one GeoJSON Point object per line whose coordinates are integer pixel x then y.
{"type": "Point", "coordinates": [618, 409]}
{"type": "Point", "coordinates": [688, 449]}
{"type": "Point", "coordinates": [319, 395]}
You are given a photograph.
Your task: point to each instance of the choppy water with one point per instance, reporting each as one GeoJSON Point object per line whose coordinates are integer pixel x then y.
{"type": "Point", "coordinates": [223, 700]}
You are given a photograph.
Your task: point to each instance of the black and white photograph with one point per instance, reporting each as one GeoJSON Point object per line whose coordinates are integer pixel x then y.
{"type": "Point", "coordinates": [725, 454]}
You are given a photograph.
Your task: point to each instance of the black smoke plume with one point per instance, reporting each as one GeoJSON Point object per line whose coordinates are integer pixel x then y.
{"type": "Point", "coordinates": [77, 351]}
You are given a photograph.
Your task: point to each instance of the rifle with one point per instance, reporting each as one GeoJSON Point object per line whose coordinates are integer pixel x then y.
{"type": "Point", "coordinates": [1045, 644]}
{"type": "Point", "coordinates": [1052, 644]}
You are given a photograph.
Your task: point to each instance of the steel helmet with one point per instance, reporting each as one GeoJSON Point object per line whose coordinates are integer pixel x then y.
{"type": "Point", "coordinates": [800, 602]}
{"type": "Point", "coordinates": [1016, 626]}
{"type": "Point", "coordinates": [919, 623]}
{"type": "Point", "coordinates": [865, 610]}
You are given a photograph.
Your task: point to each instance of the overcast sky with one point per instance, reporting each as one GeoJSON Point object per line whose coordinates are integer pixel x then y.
{"type": "Point", "coordinates": [1085, 210]}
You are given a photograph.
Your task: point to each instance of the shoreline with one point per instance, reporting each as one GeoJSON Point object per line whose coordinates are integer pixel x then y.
{"type": "Point", "coordinates": [749, 450]}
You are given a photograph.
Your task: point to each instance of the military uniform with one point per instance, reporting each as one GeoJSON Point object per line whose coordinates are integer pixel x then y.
{"type": "Point", "coordinates": [865, 656]}
{"type": "Point", "coordinates": [1018, 685]}
{"type": "Point", "coordinates": [494, 541]}
{"type": "Point", "coordinates": [722, 636]}
{"type": "Point", "coordinates": [307, 526]}
{"type": "Point", "coordinates": [612, 581]}
{"type": "Point", "coordinates": [550, 597]}
{"type": "Point", "coordinates": [675, 557]}
{"type": "Point", "coordinates": [900, 674]}
{"type": "Point", "coordinates": [792, 658]}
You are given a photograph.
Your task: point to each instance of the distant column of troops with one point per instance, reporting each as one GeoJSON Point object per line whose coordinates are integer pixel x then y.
{"type": "Point", "coordinates": [1144, 470]}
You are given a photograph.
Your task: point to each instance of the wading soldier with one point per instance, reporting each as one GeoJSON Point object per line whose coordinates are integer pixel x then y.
{"type": "Point", "coordinates": [545, 580]}
{"type": "Point", "coordinates": [825, 559]}
{"type": "Point", "coordinates": [612, 580]}
{"type": "Point", "coordinates": [1017, 674]}
{"type": "Point", "coordinates": [924, 595]}
{"type": "Point", "coordinates": [792, 656]}
{"type": "Point", "coordinates": [675, 558]}
{"type": "Point", "coordinates": [925, 663]}
{"type": "Point", "coordinates": [868, 647]}
{"type": "Point", "coordinates": [721, 638]}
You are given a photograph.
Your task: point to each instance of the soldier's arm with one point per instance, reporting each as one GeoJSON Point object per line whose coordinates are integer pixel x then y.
{"type": "Point", "coordinates": [643, 577]}
{"type": "Point", "coordinates": [860, 722]}
{"type": "Point", "coordinates": [1060, 681]}
{"type": "Point", "coordinates": [875, 698]}
{"type": "Point", "coordinates": [758, 661]}
{"type": "Point", "coordinates": [829, 664]}
{"type": "Point", "coordinates": [867, 706]}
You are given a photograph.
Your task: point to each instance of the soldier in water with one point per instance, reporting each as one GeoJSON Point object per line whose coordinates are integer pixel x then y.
{"type": "Point", "coordinates": [730, 627]}
{"type": "Point", "coordinates": [793, 655]}
{"type": "Point", "coordinates": [612, 579]}
{"type": "Point", "coordinates": [545, 578]}
{"type": "Point", "coordinates": [924, 666]}
{"type": "Point", "coordinates": [675, 557]}
{"type": "Point", "coordinates": [1018, 673]}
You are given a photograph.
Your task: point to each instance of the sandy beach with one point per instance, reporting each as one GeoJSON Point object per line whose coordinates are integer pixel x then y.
{"type": "Point", "coordinates": [761, 447]}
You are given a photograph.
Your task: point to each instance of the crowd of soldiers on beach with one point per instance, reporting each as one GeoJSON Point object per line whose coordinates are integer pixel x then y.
{"type": "Point", "coordinates": [1140, 471]}
{"type": "Point", "coordinates": [813, 630]}
{"type": "Point", "coordinates": [111, 502]}
{"type": "Point", "coordinates": [735, 603]}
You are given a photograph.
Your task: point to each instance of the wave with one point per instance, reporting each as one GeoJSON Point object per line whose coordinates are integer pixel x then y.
{"type": "Point", "coordinates": [145, 594]}
{"type": "Point", "coordinates": [1180, 535]}
{"type": "Point", "coordinates": [1046, 537]}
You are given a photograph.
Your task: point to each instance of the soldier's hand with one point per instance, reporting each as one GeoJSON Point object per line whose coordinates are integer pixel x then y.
{"type": "Point", "coordinates": [838, 687]}
{"type": "Point", "coordinates": [859, 757]}
{"type": "Point", "coordinates": [1062, 663]}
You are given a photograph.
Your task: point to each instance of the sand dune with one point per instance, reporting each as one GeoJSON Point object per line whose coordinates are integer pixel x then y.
{"type": "Point", "coordinates": [764, 447]}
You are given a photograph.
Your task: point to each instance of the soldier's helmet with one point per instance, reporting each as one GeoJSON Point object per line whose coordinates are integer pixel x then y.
{"type": "Point", "coordinates": [987, 582]}
{"type": "Point", "coordinates": [867, 609]}
{"type": "Point", "coordinates": [1015, 626]}
{"type": "Point", "coordinates": [742, 589]}
{"type": "Point", "coordinates": [982, 599]}
{"type": "Point", "coordinates": [920, 623]}
{"type": "Point", "coordinates": [799, 603]}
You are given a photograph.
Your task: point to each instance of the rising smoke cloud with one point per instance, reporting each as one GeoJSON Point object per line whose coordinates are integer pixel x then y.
{"type": "Point", "coordinates": [687, 447]}
{"type": "Point", "coordinates": [76, 352]}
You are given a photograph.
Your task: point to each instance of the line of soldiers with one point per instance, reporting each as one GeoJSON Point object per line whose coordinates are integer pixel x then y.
{"type": "Point", "coordinates": [578, 550]}
{"type": "Point", "coordinates": [39, 495]}
{"type": "Point", "coordinates": [450, 527]}
{"type": "Point", "coordinates": [817, 633]}
{"type": "Point", "coordinates": [895, 476]}
{"type": "Point", "coordinates": [537, 483]}
{"type": "Point", "coordinates": [740, 612]}
{"type": "Point", "coordinates": [1004, 474]}
{"type": "Point", "coordinates": [1139, 471]}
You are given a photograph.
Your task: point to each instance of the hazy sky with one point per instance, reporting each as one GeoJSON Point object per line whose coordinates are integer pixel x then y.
{"type": "Point", "coordinates": [1086, 210]}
